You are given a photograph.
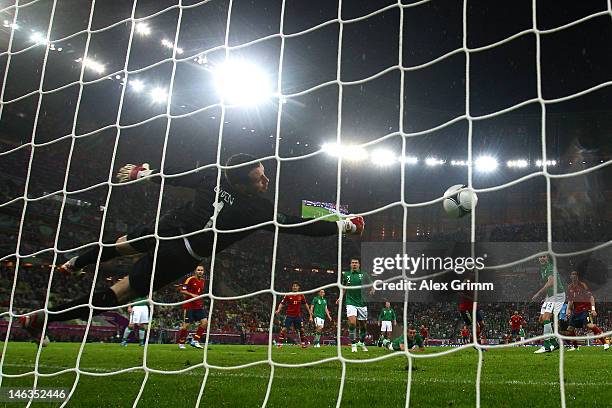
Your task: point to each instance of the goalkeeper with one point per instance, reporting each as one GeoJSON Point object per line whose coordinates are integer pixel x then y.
{"type": "Point", "coordinates": [240, 205]}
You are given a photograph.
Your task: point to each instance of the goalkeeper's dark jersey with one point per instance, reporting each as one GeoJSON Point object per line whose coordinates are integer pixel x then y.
{"type": "Point", "coordinates": [235, 210]}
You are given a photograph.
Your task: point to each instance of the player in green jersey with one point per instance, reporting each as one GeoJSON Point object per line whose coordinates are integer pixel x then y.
{"type": "Point", "coordinates": [414, 342]}
{"type": "Point", "coordinates": [319, 310]}
{"type": "Point", "coordinates": [139, 316]}
{"type": "Point", "coordinates": [522, 334]}
{"type": "Point", "coordinates": [555, 298]}
{"type": "Point", "coordinates": [356, 305]}
{"type": "Point", "coordinates": [387, 319]}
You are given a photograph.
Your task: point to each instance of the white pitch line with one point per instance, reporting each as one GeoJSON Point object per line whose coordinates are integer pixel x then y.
{"type": "Point", "coordinates": [356, 379]}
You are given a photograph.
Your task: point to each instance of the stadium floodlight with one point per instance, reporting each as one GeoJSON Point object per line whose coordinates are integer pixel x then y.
{"type": "Point", "coordinates": [347, 152]}
{"type": "Point", "coordinates": [408, 160]}
{"type": "Point", "coordinates": [383, 157]}
{"type": "Point", "coordinates": [201, 59]}
{"type": "Point", "coordinates": [158, 95]}
{"type": "Point", "coordinates": [521, 163]}
{"type": "Point", "coordinates": [169, 44]}
{"type": "Point", "coordinates": [459, 163]}
{"type": "Point", "coordinates": [8, 24]}
{"type": "Point", "coordinates": [432, 161]}
{"type": "Point", "coordinates": [143, 29]}
{"type": "Point", "coordinates": [137, 85]}
{"type": "Point", "coordinates": [354, 153]}
{"type": "Point", "coordinates": [38, 38]}
{"type": "Point", "coordinates": [241, 82]}
{"type": "Point", "coordinates": [548, 163]}
{"type": "Point", "coordinates": [486, 164]}
{"type": "Point", "coordinates": [92, 64]}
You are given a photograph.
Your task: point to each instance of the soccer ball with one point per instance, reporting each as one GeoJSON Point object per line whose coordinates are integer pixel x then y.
{"type": "Point", "coordinates": [459, 204]}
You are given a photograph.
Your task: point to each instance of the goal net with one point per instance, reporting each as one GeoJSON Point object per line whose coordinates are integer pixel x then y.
{"type": "Point", "coordinates": [365, 109]}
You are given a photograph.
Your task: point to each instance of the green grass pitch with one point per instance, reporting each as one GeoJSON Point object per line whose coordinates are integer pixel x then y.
{"type": "Point", "coordinates": [511, 377]}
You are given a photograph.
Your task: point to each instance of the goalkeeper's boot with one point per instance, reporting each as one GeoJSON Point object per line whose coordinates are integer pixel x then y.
{"type": "Point", "coordinates": [195, 344]}
{"type": "Point", "coordinates": [353, 347]}
{"type": "Point", "coordinates": [68, 268]}
{"type": "Point", "coordinates": [33, 324]}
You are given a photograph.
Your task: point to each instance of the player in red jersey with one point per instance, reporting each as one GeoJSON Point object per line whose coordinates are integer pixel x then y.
{"type": "Point", "coordinates": [465, 335]}
{"type": "Point", "coordinates": [515, 322]}
{"type": "Point", "coordinates": [424, 332]}
{"type": "Point", "coordinates": [581, 308]}
{"type": "Point", "coordinates": [193, 311]}
{"type": "Point", "coordinates": [293, 315]}
{"type": "Point", "coordinates": [466, 303]}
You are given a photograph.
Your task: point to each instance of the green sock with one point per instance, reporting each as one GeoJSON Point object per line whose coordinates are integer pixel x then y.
{"type": "Point", "coordinates": [141, 335]}
{"type": "Point", "coordinates": [352, 334]}
{"type": "Point", "coordinates": [362, 335]}
{"type": "Point", "coordinates": [126, 333]}
{"type": "Point", "coordinates": [317, 338]}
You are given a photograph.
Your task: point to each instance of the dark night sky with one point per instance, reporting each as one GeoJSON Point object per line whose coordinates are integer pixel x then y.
{"type": "Point", "coordinates": [573, 59]}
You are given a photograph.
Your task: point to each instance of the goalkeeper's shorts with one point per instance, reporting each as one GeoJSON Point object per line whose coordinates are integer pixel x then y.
{"type": "Point", "coordinates": [173, 262]}
{"type": "Point", "coordinates": [148, 244]}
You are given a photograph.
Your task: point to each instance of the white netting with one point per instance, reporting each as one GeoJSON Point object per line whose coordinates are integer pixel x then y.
{"type": "Point", "coordinates": [49, 42]}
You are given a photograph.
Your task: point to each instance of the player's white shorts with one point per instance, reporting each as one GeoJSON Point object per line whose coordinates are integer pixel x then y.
{"type": "Point", "coordinates": [319, 322]}
{"type": "Point", "coordinates": [553, 304]}
{"type": "Point", "coordinates": [139, 315]}
{"type": "Point", "coordinates": [360, 312]}
{"type": "Point", "coordinates": [386, 326]}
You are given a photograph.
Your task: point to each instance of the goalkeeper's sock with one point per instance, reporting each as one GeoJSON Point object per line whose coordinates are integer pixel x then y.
{"type": "Point", "coordinates": [352, 334]}
{"type": "Point", "coordinates": [199, 333]}
{"type": "Point", "coordinates": [126, 333]}
{"type": "Point", "coordinates": [101, 298]}
{"type": "Point", "coordinates": [91, 256]}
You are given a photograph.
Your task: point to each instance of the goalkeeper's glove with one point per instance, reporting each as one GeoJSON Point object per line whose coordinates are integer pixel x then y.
{"type": "Point", "coordinates": [354, 226]}
{"type": "Point", "coordinates": [131, 172]}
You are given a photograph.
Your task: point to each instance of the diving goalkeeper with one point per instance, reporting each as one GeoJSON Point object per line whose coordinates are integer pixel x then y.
{"type": "Point", "coordinates": [240, 205]}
